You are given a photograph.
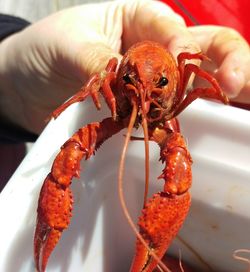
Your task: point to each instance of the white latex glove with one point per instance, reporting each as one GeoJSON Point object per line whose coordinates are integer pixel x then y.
{"type": "Point", "coordinates": [230, 55]}
{"type": "Point", "coordinates": [43, 65]}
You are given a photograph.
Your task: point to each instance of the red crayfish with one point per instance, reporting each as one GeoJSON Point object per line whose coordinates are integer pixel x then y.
{"type": "Point", "coordinates": [148, 88]}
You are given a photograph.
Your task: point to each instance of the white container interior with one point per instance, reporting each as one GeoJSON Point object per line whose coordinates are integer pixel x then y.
{"type": "Point", "coordinates": [99, 238]}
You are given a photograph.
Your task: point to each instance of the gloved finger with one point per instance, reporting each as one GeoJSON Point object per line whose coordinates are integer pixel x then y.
{"type": "Point", "coordinates": [230, 57]}
{"type": "Point", "coordinates": [154, 20]}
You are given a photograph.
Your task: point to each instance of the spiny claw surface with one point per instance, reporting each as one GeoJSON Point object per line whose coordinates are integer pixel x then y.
{"type": "Point", "coordinates": [55, 202]}
{"type": "Point", "coordinates": [161, 220]}
{"type": "Point", "coordinates": [54, 213]}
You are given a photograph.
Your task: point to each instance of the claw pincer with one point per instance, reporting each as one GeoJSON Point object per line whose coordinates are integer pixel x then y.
{"type": "Point", "coordinates": [54, 212]}
{"type": "Point", "coordinates": [164, 213]}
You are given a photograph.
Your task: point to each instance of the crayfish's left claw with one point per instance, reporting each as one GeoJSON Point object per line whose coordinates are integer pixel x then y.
{"type": "Point", "coordinates": [45, 241]}
{"type": "Point", "coordinates": [164, 214]}
{"type": "Point", "coordinates": [160, 222]}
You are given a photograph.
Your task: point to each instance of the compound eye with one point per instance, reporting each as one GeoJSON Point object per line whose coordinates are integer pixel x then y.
{"type": "Point", "coordinates": [127, 79]}
{"type": "Point", "coordinates": [163, 82]}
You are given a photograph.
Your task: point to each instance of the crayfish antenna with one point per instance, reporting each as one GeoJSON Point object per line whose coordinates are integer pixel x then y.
{"type": "Point", "coordinates": [195, 253]}
{"type": "Point", "coordinates": [146, 143]}
{"type": "Point", "coordinates": [240, 258]}
{"type": "Point", "coordinates": [120, 189]}
{"type": "Point", "coordinates": [180, 262]}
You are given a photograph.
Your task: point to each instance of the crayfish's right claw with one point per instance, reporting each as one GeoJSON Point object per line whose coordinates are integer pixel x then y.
{"type": "Point", "coordinates": [45, 241]}
{"type": "Point", "coordinates": [54, 212]}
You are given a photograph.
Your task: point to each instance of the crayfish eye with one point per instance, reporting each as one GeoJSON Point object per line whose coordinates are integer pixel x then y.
{"type": "Point", "coordinates": [127, 79]}
{"type": "Point", "coordinates": [163, 82]}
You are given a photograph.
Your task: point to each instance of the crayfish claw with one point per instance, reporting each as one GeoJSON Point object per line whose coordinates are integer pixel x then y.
{"type": "Point", "coordinates": [45, 241]}
{"type": "Point", "coordinates": [159, 223]}
{"type": "Point", "coordinates": [54, 212]}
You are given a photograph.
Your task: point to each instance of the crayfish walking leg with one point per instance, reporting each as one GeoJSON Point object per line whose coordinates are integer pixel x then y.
{"type": "Point", "coordinates": [55, 201]}
{"type": "Point", "coordinates": [164, 214]}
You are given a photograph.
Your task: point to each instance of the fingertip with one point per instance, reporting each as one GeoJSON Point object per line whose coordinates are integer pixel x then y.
{"type": "Point", "coordinates": [231, 81]}
{"type": "Point", "coordinates": [95, 57]}
{"type": "Point", "coordinates": [179, 44]}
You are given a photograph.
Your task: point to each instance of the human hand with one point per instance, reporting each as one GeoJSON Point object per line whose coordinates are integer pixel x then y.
{"type": "Point", "coordinates": [230, 60]}
{"type": "Point", "coordinates": [46, 63]}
